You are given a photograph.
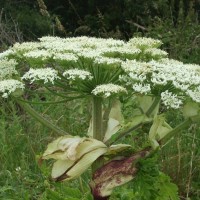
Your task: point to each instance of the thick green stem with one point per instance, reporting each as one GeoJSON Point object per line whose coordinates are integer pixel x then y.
{"type": "Point", "coordinates": [97, 122]}
{"type": "Point", "coordinates": [40, 118]}
{"type": "Point", "coordinates": [97, 127]}
{"type": "Point", "coordinates": [153, 106]}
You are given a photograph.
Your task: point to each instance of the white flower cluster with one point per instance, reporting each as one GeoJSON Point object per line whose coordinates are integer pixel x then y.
{"type": "Point", "coordinates": [73, 74]}
{"type": "Point", "coordinates": [125, 49]}
{"type": "Point", "coordinates": [156, 52]}
{"type": "Point", "coordinates": [194, 94]}
{"type": "Point", "coordinates": [171, 100]}
{"type": "Point", "coordinates": [145, 70]}
{"type": "Point", "coordinates": [10, 85]}
{"type": "Point", "coordinates": [107, 90]}
{"type": "Point", "coordinates": [141, 42]}
{"type": "Point", "coordinates": [106, 60]}
{"type": "Point", "coordinates": [98, 50]}
{"type": "Point", "coordinates": [42, 54]}
{"type": "Point", "coordinates": [65, 56]}
{"type": "Point", "coordinates": [25, 46]}
{"type": "Point", "coordinates": [185, 79]}
{"type": "Point", "coordinates": [6, 53]}
{"type": "Point", "coordinates": [7, 68]}
{"type": "Point", "coordinates": [142, 88]}
{"type": "Point", "coordinates": [45, 74]}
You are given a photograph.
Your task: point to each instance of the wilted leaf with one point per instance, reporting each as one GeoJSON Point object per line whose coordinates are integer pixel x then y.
{"type": "Point", "coordinates": [74, 155]}
{"type": "Point", "coordinates": [60, 167]}
{"type": "Point", "coordinates": [84, 163]}
{"type": "Point", "coordinates": [88, 145]}
{"type": "Point", "coordinates": [63, 148]}
{"type": "Point", "coordinates": [113, 174]}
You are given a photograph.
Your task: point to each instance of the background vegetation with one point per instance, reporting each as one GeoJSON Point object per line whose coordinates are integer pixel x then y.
{"type": "Point", "coordinates": [22, 140]}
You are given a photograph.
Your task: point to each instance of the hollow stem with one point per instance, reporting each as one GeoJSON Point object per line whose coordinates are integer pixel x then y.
{"type": "Point", "coordinates": [97, 118]}
{"type": "Point", "coordinates": [97, 127]}
{"type": "Point", "coordinates": [153, 106]}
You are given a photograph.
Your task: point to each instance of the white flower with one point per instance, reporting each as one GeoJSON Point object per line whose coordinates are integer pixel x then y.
{"type": "Point", "coordinates": [126, 49]}
{"type": "Point", "coordinates": [140, 77]}
{"type": "Point", "coordinates": [25, 46]}
{"type": "Point", "coordinates": [194, 94]}
{"type": "Point", "coordinates": [109, 89]}
{"type": "Point", "coordinates": [107, 60]}
{"type": "Point", "coordinates": [171, 100]}
{"type": "Point", "coordinates": [193, 67]}
{"type": "Point", "coordinates": [9, 86]}
{"type": "Point", "coordinates": [170, 61]}
{"type": "Point", "coordinates": [43, 54]}
{"type": "Point", "coordinates": [45, 74]}
{"type": "Point", "coordinates": [156, 52]}
{"type": "Point", "coordinates": [18, 169]}
{"type": "Point", "coordinates": [159, 79]}
{"type": "Point", "coordinates": [88, 54]}
{"type": "Point", "coordinates": [137, 67]}
{"type": "Point", "coordinates": [77, 73]}
{"type": "Point", "coordinates": [7, 68]}
{"type": "Point", "coordinates": [181, 86]}
{"type": "Point", "coordinates": [142, 88]}
{"type": "Point", "coordinates": [6, 53]}
{"type": "Point", "coordinates": [65, 56]}
{"type": "Point", "coordinates": [144, 42]}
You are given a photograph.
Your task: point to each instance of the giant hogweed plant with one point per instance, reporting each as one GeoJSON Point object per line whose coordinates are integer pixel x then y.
{"type": "Point", "coordinates": [105, 72]}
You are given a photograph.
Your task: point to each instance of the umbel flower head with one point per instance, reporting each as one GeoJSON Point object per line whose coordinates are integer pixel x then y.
{"type": "Point", "coordinates": [107, 90]}
{"type": "Point", "coordinates": [46, 75]}
{"type": "Point", "coordinates": [102, 67]}
{"type": "Point", "coordinates": [73, 74]}
{"type": "Point", "coordinates": [9, 86]}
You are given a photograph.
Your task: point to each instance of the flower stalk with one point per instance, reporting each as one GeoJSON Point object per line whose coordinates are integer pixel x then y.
{"type": "Point", "coordinates": [97, 127]}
